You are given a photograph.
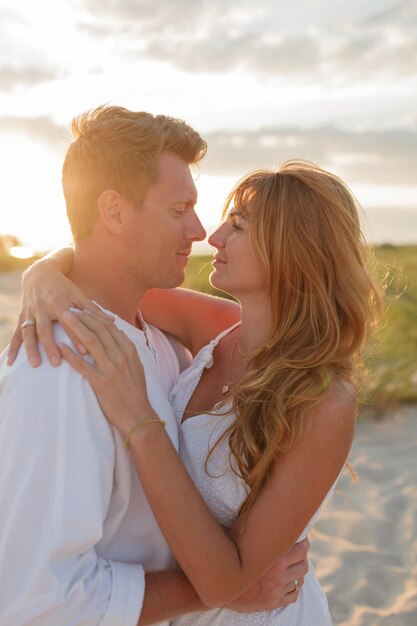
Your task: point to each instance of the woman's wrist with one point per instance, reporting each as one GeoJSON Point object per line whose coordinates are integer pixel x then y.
{"type": "Point", "coordinates": [141, 429]}
{"type": "Point", "coordinates": [39, 271]}
{"type": "Point", "coordinates": [57, 261]}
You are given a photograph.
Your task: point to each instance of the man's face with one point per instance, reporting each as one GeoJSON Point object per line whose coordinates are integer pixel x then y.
{"type": "Point", "coordinates": [164, 229]}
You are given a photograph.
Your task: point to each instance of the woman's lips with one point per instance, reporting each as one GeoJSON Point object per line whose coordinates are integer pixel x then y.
{"type": "Point", "coordinates": [217, 261]}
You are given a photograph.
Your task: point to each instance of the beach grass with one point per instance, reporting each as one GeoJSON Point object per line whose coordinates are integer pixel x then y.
{"type": "Point", "coordinates": [392, 354]}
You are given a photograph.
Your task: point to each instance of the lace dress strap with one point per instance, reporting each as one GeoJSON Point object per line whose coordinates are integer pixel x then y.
{"type": "Point", "coordinates": [189, 378]}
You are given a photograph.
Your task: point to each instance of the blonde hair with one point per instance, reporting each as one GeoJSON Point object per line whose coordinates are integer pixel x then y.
{"type": "Point", "coordinates": [305, 229]}
{"type": "Point", "coordinates": [115, 148]}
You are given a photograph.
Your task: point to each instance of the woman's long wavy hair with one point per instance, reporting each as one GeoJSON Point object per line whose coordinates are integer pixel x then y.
{"type": "Point", "coordinates": [305, 228]}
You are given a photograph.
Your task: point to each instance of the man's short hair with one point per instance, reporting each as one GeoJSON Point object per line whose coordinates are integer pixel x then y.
{"type": "Point", "coordinates": [114, 148]}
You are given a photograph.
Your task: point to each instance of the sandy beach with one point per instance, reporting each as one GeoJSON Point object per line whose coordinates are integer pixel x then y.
{"type": "Point", "coordinates": [9, 304]}
{"type": "Point", "coordinates": [364, 547]}
{"type": "Point", "coordinates": [365, 544]}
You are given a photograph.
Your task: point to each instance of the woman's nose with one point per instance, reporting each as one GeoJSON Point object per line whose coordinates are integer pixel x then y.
{"type": "Point", "coordinates": [218, 238]}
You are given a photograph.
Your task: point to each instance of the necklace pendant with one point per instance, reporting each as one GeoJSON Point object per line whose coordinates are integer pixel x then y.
{"type": "Point", "coordinates": [227, 387]}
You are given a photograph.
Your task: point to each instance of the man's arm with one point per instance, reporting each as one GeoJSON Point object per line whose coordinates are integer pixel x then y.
{"type": "Point", "coordinates": [169, 594]}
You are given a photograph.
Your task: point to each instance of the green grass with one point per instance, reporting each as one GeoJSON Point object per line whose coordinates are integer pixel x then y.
{"type": "Point", "coordinates": [392, 354]}
{"type": "Point", "coordinates": [391, 357]}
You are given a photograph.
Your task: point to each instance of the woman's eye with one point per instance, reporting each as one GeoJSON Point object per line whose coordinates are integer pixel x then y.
{"type": "Point", "coordinates": [236, 226]}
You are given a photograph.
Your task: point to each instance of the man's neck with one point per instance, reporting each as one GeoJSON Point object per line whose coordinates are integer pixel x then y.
{"type": "Point", "coordinates": [102, 279]}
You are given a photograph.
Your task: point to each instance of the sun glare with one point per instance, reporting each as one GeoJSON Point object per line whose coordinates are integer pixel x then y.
{"type": "Point", "coordinates": [21, 252]}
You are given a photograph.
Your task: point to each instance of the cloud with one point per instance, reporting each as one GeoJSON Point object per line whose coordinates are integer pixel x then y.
{"type": "Point", "coordinates": [388, 157]}
{"type": "Point", "coordinates": [41, 129]}
{"type": "Point", "coordinates": [24, 60]}
{"type": "Point", "coordinates": [165, 17]}
{"type": "Point", "coordinates": [197, 35]}
{"type": "Point", "coordinates": [383, 44]}
{"type": "Point", "coordinates": [403, 13]}
{"type": "Point", "coordinates": [368, 156]}
{"type": "Point", "coordinates": [12, 77]}
{"type": "Point", "coordinates": [252, 52]}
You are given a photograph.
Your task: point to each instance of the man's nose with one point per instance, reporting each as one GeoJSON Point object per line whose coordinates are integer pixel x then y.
{"type": "Point", "coordinates": [195, 230]}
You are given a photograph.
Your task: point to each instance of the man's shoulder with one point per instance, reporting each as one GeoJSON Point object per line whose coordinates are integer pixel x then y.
{"type": "Point", "coordinates": [21, 368]}
{"type": "Point", "coordinates": [51, 399]}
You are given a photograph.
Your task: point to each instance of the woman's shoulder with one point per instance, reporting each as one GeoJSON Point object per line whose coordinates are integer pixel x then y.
{"type": "Point", "coordinates": [214, 342]}
{"type": "Point", "coordinates": [189, 378]}
{"type": "Point", "coordinates": [339, 407]}
{"type": "Point", "coordinates": [205, 354]}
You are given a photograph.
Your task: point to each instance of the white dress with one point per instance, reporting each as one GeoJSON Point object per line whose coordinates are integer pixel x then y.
{"type": "Point", "coordinates": [224, 492]}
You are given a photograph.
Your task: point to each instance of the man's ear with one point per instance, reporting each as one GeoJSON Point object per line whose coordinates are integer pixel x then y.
{"type": "Point", "coordinates": [110, 208]}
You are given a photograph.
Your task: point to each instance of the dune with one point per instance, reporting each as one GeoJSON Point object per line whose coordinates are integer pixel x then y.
{"type": "Point", "coordinates": [364, 547]}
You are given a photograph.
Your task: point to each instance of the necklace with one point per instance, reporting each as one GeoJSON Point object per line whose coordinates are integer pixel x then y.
{"type": "Point", "coordinates": [227, 387]}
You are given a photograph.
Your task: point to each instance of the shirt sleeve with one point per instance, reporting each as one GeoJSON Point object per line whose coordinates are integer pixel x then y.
{"type": "Point", "coordinates": [57, 457]}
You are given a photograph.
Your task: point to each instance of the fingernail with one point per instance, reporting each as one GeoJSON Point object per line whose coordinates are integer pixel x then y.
{"type": "Point", "coordinates": [81, 349]}
{"type": "Point", "coordinates": [68, 316]}
{"type": "Point", "coordinates": [55, 360]}
{"type": "Point", "coordinates": [34, 361]}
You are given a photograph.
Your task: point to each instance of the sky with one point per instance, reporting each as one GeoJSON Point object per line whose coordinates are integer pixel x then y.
{"type": "Point", "coordinates": [263, 82]}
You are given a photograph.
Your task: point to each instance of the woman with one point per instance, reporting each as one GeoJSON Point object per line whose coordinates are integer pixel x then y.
{"type": "Point", "coordinates": [267, 409]}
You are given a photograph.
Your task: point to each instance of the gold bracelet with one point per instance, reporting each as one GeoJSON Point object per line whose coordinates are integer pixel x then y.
{"type": "Point", "coordinates": [138, 425]}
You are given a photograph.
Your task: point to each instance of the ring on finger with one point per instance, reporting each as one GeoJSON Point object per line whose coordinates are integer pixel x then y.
{"type": "Point", "coordinates": [27, 323]}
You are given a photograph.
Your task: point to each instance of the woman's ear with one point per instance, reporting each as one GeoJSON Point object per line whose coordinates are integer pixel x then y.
{"type": "Point", "coordinates": [110, 208]}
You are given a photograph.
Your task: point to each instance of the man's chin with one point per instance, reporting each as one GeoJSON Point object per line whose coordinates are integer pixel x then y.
{"type": "Point", "coordinates": [173, 281]}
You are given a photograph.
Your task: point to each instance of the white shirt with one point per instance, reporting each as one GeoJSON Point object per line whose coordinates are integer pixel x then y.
{"type": "Point", "coordinates": [76, 530]}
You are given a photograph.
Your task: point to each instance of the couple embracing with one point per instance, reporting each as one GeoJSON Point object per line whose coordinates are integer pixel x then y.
{"type": "Point", "coordinates": [102, 521]}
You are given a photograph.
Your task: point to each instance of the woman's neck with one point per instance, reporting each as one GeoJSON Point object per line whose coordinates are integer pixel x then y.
{"type": "Point", "coordinates": [257, 326]}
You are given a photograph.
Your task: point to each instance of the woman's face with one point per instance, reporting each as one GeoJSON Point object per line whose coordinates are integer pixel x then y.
{"type": "Point", "coordinates": [237, 269]}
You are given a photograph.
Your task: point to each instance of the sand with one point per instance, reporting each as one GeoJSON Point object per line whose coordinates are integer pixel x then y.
{"type": "Point", "coordinates": [364, 546]}
{"type": "Point", "coordinates": [9, 304]}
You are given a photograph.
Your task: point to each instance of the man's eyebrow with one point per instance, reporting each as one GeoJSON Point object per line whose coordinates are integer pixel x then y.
{"type": "Point", "coordinates": [185, 203]}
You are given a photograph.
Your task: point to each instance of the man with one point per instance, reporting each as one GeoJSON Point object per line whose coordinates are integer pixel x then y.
{"type": "Point", "coordinates": [76, 532]}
